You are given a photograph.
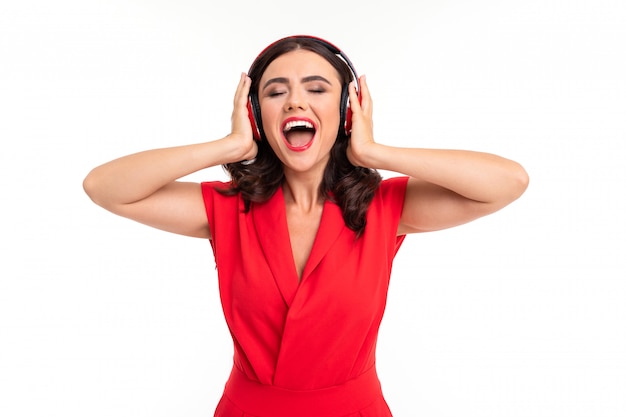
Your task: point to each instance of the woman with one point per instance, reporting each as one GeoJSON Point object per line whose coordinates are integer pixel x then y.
{"type": "Point", "coordinates": [305, 233]}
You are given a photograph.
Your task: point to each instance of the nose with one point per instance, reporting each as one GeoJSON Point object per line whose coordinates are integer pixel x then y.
{"type": "Point", "coordinates": [295, 101]}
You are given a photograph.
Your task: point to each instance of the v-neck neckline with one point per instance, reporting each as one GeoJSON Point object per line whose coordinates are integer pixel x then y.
{"type": "Point", "coordinates": [270, 222]}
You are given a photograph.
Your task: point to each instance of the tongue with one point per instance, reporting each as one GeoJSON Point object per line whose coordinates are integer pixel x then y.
{"type": "Point", "coordinates": [299, 138]}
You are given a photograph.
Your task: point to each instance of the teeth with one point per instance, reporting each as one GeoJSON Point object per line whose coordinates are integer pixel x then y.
{"type": "Point", "coordinates": [298, 123]}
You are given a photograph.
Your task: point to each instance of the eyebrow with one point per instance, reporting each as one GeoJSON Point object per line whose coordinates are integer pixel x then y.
{"type": "Point", "coordinates": [283, 80]}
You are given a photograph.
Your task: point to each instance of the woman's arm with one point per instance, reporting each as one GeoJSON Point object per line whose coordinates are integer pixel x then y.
{"type": "Point", "coordinates": [447, 187]}
{"type": "Point", "coordinates": [144, 187]}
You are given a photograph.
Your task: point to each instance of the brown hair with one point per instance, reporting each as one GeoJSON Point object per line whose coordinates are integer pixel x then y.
{"type": "Point", "coordinates": [352, 188]}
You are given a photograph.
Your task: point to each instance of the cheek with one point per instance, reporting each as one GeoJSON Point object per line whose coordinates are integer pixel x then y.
{"type": "Point", "coordinates": [332, 117]}
{"type": "Point", "coordinates": [270, 119]}
{"type": "Point", "coordinates": [269, 115]}
{"type": "Point", "coordinates": [268, 109]}
{"type": "Point", "coordinates": [332, 112]}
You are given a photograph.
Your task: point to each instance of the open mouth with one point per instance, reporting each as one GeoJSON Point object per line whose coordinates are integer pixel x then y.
{"type": "Point", "coordinates": [298, 134]}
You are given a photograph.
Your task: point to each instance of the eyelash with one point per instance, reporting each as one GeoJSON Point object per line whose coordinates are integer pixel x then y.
{"type": "Point", "coordinates": [311, 90]}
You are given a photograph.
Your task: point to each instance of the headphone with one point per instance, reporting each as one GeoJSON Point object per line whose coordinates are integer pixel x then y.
{"type": "Point", "coordinates": [254, 108]}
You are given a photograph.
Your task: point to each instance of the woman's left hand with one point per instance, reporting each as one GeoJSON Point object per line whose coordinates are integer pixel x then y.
{"type": "Point", "coordinates": [362, 137]}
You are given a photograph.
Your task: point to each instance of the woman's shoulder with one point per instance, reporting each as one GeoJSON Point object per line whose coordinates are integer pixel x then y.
{"type": "Point", "coordinates": [216, 184]}
{"type": "Point", "coordinates": [393, 185]}
{"type": "Point", "coordinates": [217, 187]}
{"type": "Point", "coordinates": [219, 194]}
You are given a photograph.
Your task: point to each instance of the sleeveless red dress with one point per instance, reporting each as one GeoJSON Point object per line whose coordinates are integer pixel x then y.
{"type": "Point", "coordinates": [303, 348]}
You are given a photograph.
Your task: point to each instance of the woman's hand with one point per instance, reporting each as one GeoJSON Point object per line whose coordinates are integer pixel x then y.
{"type": "Point", "coordinates": [447, 187]}
{"type": "Point", "coordinates": [362, 147]}
{"type": "Point", "coordinates": [241, 130]}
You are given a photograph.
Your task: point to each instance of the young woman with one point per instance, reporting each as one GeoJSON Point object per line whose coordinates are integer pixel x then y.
{"type": "Point", "coordinates": [305, 233]}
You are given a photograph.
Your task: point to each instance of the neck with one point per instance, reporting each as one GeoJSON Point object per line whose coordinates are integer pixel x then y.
{"type": "Point", "coordinates": [302, 190]}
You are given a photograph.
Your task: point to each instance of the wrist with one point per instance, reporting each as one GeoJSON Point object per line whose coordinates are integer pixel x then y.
{"type": "Point", "coordinates": [368, 156]}
{"type": "Point", "coordinates": [239, 148]}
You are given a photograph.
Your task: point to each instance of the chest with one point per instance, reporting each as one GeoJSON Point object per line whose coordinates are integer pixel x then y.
{"type": "Point", "coordinates": [302, 228]}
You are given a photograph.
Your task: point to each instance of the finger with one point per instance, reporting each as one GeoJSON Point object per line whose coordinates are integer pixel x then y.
{"type": "Point", "coordinates": [355, 104]}
{"type": "Point", "coordinates": [366, 98]}
{"type": "Point", "coordinates": [239, 118]}
{"type": "Point", "coordinates": [243, 89]}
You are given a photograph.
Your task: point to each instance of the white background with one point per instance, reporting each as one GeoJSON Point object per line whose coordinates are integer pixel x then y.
{"type": "Point", "coordinates": [522, 313]}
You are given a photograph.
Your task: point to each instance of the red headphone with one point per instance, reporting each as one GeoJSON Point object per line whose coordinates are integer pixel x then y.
{"type": "Point", "coordinates": [254, 109]}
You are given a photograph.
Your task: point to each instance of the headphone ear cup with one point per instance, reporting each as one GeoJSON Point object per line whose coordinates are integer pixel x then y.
{"type": "Point", "coordinates": [345, 114]}
{"type": "Point", "coordinates": [346, 111]}
{"type": "Point", "coordinates": [254, 114]}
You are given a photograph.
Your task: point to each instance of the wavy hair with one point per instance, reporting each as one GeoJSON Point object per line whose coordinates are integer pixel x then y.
{"type": "Point", "coordinates": [351, 187]}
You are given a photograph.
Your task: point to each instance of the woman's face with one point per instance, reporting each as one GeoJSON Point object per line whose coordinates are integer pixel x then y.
{"type": "Point", "coordinates": [299, 95]}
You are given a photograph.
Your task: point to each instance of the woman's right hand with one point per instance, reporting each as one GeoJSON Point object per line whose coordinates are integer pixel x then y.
{"type": "Point", "coordinates": [241, 130]}
{"type": "Point", "coordinates": [146, 187]}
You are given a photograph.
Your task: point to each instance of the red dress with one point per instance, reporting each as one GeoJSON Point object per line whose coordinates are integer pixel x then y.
{"type": "Point", "coordinates": [303, 348]}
